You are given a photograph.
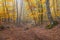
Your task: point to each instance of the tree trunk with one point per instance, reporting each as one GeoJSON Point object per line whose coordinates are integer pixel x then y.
{"type": "Point", "coordinates": [4, 11]}
{"type": "Point", "coordinates": [49, 12]}
{"type": "Point", "coordinates": [32, 9]}
{"type": "Point", "coordinates": [13, 18]}
{"type": "Point", "coordinates": [7, 20]}
{"type": "Point", "coordinates": [17, 20]}
{"type": "Point", "coordinates": [21, 11]}
{"type": "Point", "coordinates": [54, 9]}
{"type": "Point", "coordinates": [40, 10]}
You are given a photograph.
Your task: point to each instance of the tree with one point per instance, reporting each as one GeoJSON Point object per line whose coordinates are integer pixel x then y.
{"type": "Point", "coordinates": [49, 12]}
{"type": "Point", "coordinates": [58, 9]}
{"type": "Point", "coordinates": [17, 20]}
{"type": "Point", "coordinates": [54, 8]}
{"type": "Point", "coordinates": [52, 22]}
{"type": "Point", "coordinates": [21, 11]}
{"type": "Point", "coordinates": [14, 18]}
{"type": "Point", "coordinates": [32, 10]}
{"type": "Point", "coordinates": [40, 10]}
{"type": "Point", "coordinates": [6, 9]}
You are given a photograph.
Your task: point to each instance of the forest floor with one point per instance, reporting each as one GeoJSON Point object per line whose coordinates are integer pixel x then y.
{"type": "Point", "coordinates": [30, 33]}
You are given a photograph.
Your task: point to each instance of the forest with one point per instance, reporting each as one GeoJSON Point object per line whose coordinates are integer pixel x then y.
{"type": "Point", "coordinates": [29, 19]}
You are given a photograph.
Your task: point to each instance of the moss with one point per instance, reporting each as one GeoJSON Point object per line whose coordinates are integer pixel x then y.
{"type": "Point", "coordinates": [52, 25]}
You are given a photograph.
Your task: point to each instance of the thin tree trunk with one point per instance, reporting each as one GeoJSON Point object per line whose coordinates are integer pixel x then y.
{"type": "Point", "coordinates": [40, 10]}
{"type": "Point", "coordinates": [17, 20]}
{"type": "Point", "coordinates": [4, 11]}
{"type": "Point", "coordinates": [54, 9]}
{"type": "Point", "coordinates": [49, 12]}
{"type": "Point", "coordinates": [31, 9]}
{"type": "Point", "coordinates": [13, 11]}
{"type": "Point", "coordinates": [21, 11]}
{"type": "Point", "coordinates": [8, 20]}
{"type": "Point", "coordinates": [57, 8]}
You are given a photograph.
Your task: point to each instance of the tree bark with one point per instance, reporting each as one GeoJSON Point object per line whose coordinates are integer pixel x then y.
{"type": "Point", "coordinates": [49, 12]}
